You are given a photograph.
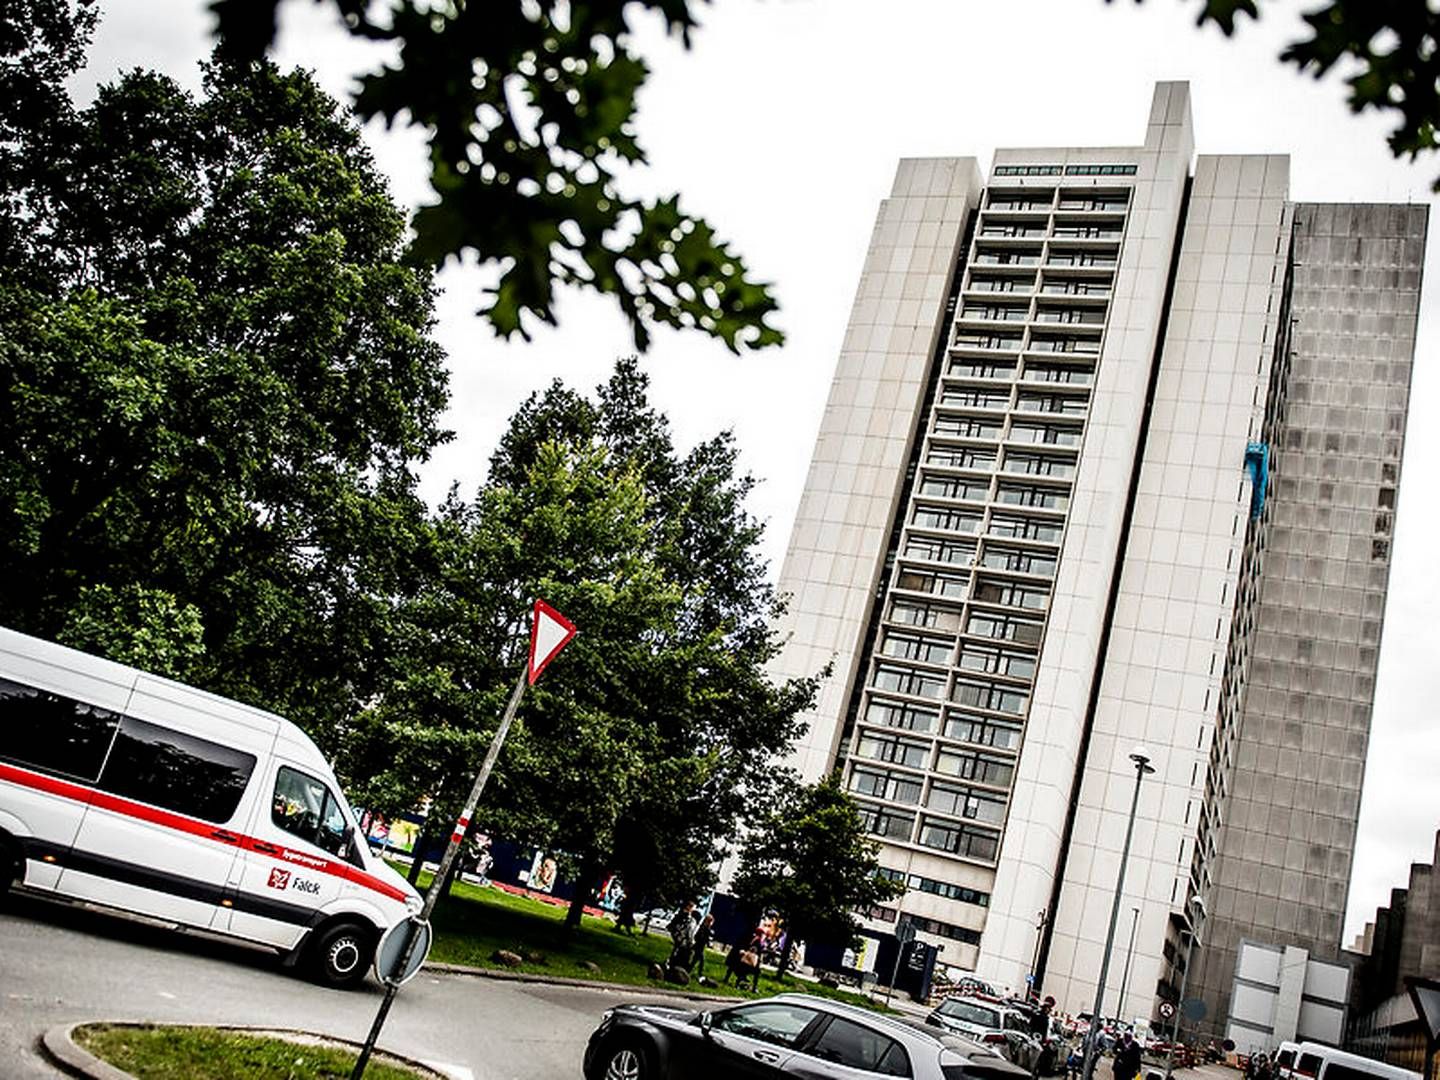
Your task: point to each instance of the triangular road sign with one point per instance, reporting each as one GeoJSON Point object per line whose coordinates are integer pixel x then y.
{"type": "Point", "coordinates": [549, 633]}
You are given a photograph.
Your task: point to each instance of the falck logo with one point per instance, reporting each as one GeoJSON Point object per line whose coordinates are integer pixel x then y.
{"type": "Point", "coordinates": [279, 879]}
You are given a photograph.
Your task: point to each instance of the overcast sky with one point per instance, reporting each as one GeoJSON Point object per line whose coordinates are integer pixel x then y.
{"type": "Point", "coordinates": [783, 125]}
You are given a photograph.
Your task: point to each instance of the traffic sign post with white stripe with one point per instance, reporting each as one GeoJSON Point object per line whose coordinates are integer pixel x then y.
{"type": "Point", "coordinates": [549, 633]}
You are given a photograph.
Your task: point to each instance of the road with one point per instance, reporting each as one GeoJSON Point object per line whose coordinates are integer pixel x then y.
{"type": "Point", "coordinates": [61, 964]}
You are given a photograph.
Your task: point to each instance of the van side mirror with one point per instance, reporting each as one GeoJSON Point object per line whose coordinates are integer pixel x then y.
{"type": "Point", "coordinates": [704, 1020]}
{"type": "Point", "coordinates": [347, 841]}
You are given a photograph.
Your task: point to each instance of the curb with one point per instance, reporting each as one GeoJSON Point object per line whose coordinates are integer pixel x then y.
{"type": "Point", "coordinates": [666, 990]}
{"type": "Point", "coordinates": [59, 1044]}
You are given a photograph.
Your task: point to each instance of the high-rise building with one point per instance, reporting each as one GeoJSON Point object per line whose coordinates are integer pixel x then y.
{"type": "Point", "coordinates": [1110, 458]}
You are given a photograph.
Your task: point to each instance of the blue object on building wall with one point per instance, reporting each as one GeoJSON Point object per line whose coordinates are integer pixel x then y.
{"type": "Point", "coordinates": [1257, 464]}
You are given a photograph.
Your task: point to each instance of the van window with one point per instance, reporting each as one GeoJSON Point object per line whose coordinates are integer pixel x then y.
{"type": "Point", "coordinates": [53, 734]}
{"type": "Point", "coordinates": [165, 768]}
{"type": "Point", "coordinates": [1285, 1058]}
{"type": "Point", "coordinates": [1336, 1071]}
{"type": "Point", "coordinates": [305, 807]}
{"type": "Point", "coordinates": [1308, 1065]}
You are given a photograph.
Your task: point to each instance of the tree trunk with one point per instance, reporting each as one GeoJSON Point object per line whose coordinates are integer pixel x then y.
{"type": "Point", "coordinates": [417, 855]}
{"type": "Point", "coordinates": [584, 883]}
{"type": "Point", "coordinates": [785, 957]}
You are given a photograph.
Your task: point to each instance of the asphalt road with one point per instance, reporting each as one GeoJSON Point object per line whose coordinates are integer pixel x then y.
{"type": "Point", "coordinates": [62, 964]}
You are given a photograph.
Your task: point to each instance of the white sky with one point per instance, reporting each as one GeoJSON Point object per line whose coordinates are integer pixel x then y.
{"type": "Point", "coordinates": [783, 125]}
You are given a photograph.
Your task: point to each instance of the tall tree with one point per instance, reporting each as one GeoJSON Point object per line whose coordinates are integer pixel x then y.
{"type": "Point", "coordinates": [529, 109]}
{"type": "Point", "coordinates": [650, 746]}
{"type": "Point", "coordinates": [216, 376]}
{"type": "Point", "coordinates": [813, 863]}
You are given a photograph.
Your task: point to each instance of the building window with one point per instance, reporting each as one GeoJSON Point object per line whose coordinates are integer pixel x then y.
{"type": "Point", "coordinates": [981, 731]}
{"type": "Point", "coordinates": [897, 715]}
{"type": "Point", "coordinates": [1023, 528]}
{"type": "Point", "coordinates": [1099, 170]}
{"type": "Point", "coordinates": [1001, 699]}
{"type": "Point", "coordinates": [883, 784]}
{"type": "Point", "coordinates": [1004, 628]}
{"type": "Point", "coordinates": [974, 367]}
{"type": "Point", "coordinates": [1094, 201]}
{"type": "Point", "coordinates": [1007, 257]}
{"type": "Point", "coordinates": [1087, 346]}
{"type": "Point", "coordinates": [900, 680]}
{"type": "Point", "coordinates": [936, 549]}
{"type": "Point", "coordinates": [954, 487]}
{"type": "Point", "coordinates": [892, 750]}
{"type": "Point", "coordinates": [971, 427]}
{"type": "Point", "coordinates": [977, 339]}
{"type": "Point", "coordinates": [996, 661]}
{"type": "Point", "coordinates": [945, 889]}
{"type": "Point", "coordinates": [963, 840]}
{"type": "Point", "coordinates": [1059, 373]}
{"type": "Point", "coordinates": [1074, 287]}
{"type": "Point", "coordinates": [1022, 562]}
{"type": "Point", "coordinates": [1081, 258]}
{"type": "Point", "coordinates": [1011, 593]}
{"type": "Point", "coordinates": [915, 647]}
{"type": "Point", "coordinates": [1028, 201]}
{"type": "Point", "coordinates": [1083, 316]}
{"type": "Point", "coordinates": [964, 802]}
{"type": "Point", "coordinates": [1049, 498]}
{"type": "Point", "coordinates": [1027, 170]}
{"type": "Point", "coordinates": [934, 517]}
{"type": "Point", "coordinates": [950, 585]}
{"type": "Point", "coordinates": [970, 398]}
{"type": "Point", "coordinates": [995, 284]}
{"type": "Point", "coordinates": [981, 768]}
{"type": "Point", "coordinates": [1045, 433]}
{"type": "Point", "coordinates": [883, 821]}
{"type": "Point", "coordinates": [918, 613]}
{"type": "Point", "coordinates": [960, 457]}
{"type": "Point", "coordinates": [1065, 404]}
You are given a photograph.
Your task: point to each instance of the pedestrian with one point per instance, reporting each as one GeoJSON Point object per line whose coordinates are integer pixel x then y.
{"type": "Point", "coordinates": [682, 934]}
{"type": "Point", "coordinates": [744, 959]}
{"type": "Point", "coordinates": [1074, 1063]}
{"type": "Point", "coordinates": [703, 933]}
{"type": "Point", "coordinates": [1126, 1065]}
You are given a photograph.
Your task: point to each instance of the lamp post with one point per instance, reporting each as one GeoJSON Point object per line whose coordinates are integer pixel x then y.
{"type": "Point", "coordinates": [1141, 757]}
{"type": "Point", "coordinates": [1197, 916]}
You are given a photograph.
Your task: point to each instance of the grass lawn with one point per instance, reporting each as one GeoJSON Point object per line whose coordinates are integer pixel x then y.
{"type": "Point", "coordinates": [200, 1053]}
{"type": "Point", "coordinates": [476, 921]}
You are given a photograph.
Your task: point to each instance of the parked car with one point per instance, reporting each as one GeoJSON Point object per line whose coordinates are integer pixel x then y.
{"type": "Point", "coordinates": [791, 1035]}
{"type": "Point", "coordinates": [140, 794]}
{"type": "Point", "coordinates": [985, 1021]}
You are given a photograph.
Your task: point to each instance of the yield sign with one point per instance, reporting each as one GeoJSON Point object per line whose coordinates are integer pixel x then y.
{"type": "Point", "coordinates": [549, 633]}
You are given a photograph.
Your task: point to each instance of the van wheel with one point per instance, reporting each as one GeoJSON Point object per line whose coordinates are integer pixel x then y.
{"type": "Point", "coordinates": [341, 954]}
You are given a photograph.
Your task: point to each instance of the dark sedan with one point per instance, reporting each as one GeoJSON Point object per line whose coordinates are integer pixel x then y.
{"type": "Point", "coordinates": [793, 1035]}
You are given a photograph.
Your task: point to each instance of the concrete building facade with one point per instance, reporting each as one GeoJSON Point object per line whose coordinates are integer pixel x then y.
{"type": "Point", "coordinates": [1036, 532]}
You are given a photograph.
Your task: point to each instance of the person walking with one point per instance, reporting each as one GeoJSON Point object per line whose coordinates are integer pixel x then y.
{"type": "Point", "coordinates": [1126, 1065]}
{"type": "Point", "coordinates": [744, 959]}
{"type": "Point", "coordinates": [682, 935]}
{"type": "Point", "coordinates": [703, 933]}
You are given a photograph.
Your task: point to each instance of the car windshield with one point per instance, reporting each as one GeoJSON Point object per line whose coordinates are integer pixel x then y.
{"type": "Point", "coordinates": [969, 1013]}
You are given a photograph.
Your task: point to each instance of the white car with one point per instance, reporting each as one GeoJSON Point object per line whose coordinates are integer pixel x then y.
{"type": "Point", "coordinates": [978, 1019]}
{"type": "Point", "coordinates": [141, 794]}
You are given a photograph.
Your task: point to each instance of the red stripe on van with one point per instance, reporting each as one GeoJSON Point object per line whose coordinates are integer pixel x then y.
{"type": "Point", "coordinates": [168, 819]}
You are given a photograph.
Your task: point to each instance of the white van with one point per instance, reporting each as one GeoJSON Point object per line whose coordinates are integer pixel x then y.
{"type": "Point", "coordinates": [138, 793]}
{"type": "Point", "coordinates": [1316, 1062]}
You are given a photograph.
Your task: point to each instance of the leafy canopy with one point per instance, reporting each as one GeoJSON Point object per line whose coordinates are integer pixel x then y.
{"type": "Point", "coordinates": [216, 377]}
{"type": "Point", "coordinates": [529, 106]}
{"type": "Point", "coordinates": [1390, 47]}
{"type": "Point", "coordinates": [650, 745]}
{"type": "Point", "coordinates": [812, 861]}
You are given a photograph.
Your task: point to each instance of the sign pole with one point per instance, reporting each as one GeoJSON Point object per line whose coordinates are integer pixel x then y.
{"type": "Point", "coordinates": [437, 883]}
{"type": "Point", "coordinates": [556, 631]}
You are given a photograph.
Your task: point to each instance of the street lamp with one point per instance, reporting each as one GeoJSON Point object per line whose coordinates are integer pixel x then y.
{"type": "Point", "coordinates": [1141, 757]}
{"type": "Point", "coordinates": [1197, 916]}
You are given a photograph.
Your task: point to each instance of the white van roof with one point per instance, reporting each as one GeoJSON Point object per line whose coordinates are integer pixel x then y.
{"type": "Point", "coordinates": [119, 687]}
{"type": "Point", "coordinates": [1329, 1054]}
